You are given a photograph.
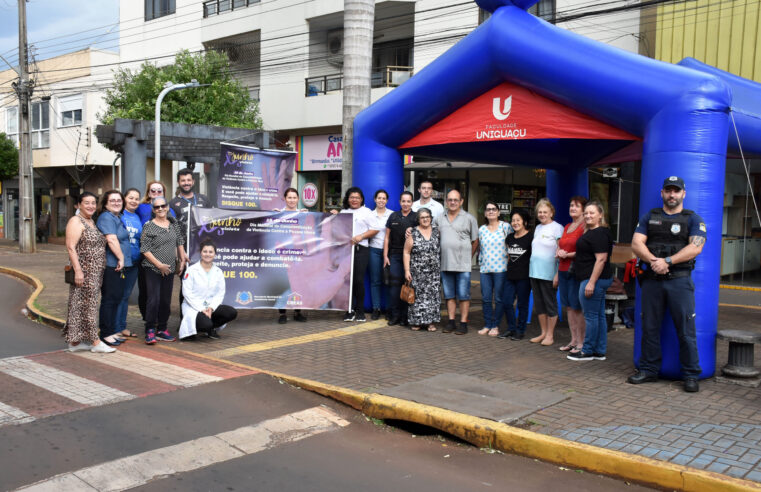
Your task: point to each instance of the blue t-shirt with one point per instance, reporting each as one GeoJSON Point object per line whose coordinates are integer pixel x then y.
{"type": "Point", "coordinates": [145, 212]}
{"type": "Point", "coordinates": [696, 225]}
{"type": "Point", "coordinates": [109, 223]}
{"type": "Point", "coordinates": [134, 228]}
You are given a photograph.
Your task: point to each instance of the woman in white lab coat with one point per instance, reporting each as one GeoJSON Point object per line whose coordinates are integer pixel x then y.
{"type": "Point", "coordinates": [204, 289]}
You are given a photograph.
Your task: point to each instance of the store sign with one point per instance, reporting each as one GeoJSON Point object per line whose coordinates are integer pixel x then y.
{"type": "Point", "coordinates": [512, 112]}
{"type": "Point", "coordinates": [505, 208]}
{"type": "Point", "coordinates": [319, 152]}
{"type": "Point", "coordinates": [309, 195]}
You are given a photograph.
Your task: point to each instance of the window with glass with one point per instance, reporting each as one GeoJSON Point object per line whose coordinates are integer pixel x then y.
{"type": "Point", "coordinates": [544, 9]}
{"type": "Point", "coordinates": [70, 110]}
{"type": "Point", "coordinates": [11, 123]}
{"type": "Point", "coordinates": [40, 125]}
{"type": "Point", "coordinates": [158, 8]}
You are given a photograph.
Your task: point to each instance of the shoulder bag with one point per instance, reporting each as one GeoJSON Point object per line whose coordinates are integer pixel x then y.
{"type": "Point", "coordinates": [407, 294]}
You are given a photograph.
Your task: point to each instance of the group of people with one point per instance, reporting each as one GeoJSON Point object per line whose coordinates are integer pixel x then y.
{"type": "Point", "coordinates": [131, 239]}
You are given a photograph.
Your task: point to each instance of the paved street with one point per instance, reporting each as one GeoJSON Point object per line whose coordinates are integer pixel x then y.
{"type": "Point", "coordinates": [717, 429]}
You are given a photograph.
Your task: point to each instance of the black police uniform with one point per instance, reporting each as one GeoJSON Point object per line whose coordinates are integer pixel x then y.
{"type": "Point", "coordinates": [398, 224]}
{"type": "Point", "coordinates": [181, 207]}
{"type": "Point", "coordinates": [666, 235]}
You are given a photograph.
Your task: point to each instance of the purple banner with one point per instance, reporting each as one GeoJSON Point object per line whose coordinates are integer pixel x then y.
{"type": "Point", "coordinates": [294, 260]}
{"type": "Point", "coordinates": [253, 179]}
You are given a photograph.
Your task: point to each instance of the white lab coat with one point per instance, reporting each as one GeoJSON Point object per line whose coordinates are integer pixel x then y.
{"type": "Point", "coordinates": [201, 290]}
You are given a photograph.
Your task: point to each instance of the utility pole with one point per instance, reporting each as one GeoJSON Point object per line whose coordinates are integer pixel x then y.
{"type": "Point", "coordinates": [27, 236]}
{"type": "Point", "coordinates": [359, 17]}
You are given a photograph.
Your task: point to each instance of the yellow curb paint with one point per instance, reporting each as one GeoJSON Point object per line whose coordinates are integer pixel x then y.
{"type": "Point", "coordinates": [488, 433]}
{"type": "Point", "coordinates": [739, 306]}
{"type": "Point", "coordinates": [38, 286]}
{"type": "Point", "coordinates": [287, 342]}
{"type": "Point", "coordinates": [740, 287]}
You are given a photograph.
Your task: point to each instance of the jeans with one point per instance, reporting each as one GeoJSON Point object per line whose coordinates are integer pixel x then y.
{"type": "Point", "coordinates": [361, 257]}
{"type": "Point", "coordinates": [142, 290]}
{"type": "Point", "coordinates": [376, 276]}
{"type": "Point", "coordinates": [678, 295]}
{"type": "Point", "coordinates": [456, 284]}
{"type": "Point", "coordinates": [522, 290]}
{"type": "Point", "coordinates": [596, 337]}
{"type": "Point", "coordinates": [159, 299]}
{"type": "Point", "coordinates": [130, 277]}
{"type": "Point", "coordinates": [397, 306]}
{"type": "Point", "coordinates": [492, 283]}
{"type": "Point", "coordinates": [111, 292]}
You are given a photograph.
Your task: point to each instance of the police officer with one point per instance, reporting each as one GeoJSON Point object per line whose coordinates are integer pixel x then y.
{"type": "Point", "coordinates": [666, 241]}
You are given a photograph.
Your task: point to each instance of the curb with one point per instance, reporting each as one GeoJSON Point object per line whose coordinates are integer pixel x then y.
{"type": "Point", "coordinates": [483, 432]}
{"type": "Point", "coordinates": [32, 312]}
{"type": "Point", "coordinates": [503, 437]}
{"type": "Point", "coordinates": [738, 287]}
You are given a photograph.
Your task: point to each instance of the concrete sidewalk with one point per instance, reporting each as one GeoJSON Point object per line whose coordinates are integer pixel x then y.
{"type": "Point", "coordinates": [718, 429]}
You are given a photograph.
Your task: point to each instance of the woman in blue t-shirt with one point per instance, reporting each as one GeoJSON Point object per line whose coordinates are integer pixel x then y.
{"type": "Point", "coordinates": [134, 227]}
{"type": "Point", "coordinates": [118, 257]}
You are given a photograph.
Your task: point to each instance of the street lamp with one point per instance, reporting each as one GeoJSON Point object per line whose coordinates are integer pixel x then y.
{"type": "Point", "coordinates": [168, 87]}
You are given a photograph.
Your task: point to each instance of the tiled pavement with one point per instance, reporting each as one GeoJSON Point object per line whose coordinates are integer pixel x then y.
{"type": "Point", "coordinates": [41, 385]}
{"type": "Point", "coordinates": [716, 429]}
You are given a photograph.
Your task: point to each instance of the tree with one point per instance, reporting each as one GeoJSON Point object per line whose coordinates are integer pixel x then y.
{"type": "Point", "coordinates": [225, 102]}
{"type": "Point", "coordinates": [8, 158]}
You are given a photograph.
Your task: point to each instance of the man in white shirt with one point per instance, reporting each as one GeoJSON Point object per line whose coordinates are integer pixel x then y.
{"type": "Point", "coordinates": [426, 190]}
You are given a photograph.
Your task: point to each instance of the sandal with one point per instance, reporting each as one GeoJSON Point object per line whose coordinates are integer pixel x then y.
{"type": "Point", "coordinates": [128, 334]}
{"type": "Point", "coordinates": [575, 350]}
{"type": "Point", "coordinates": [431, 328]}
{"type": "Point", "coordinates": [566, 348]}
{"type": "Point", "coordinates": [494, 332]}
{"type": "Point", "coordinates": [415, 328]}
{"type": "Point", "coordinates": [483, 331]}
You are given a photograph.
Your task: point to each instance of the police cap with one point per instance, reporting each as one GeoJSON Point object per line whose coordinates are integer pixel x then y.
{"type": "Point", "coordinates": [674, 181]}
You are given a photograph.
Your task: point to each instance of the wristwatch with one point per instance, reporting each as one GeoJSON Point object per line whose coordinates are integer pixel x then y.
{"type": "Point", "coordinates": [668, 260]}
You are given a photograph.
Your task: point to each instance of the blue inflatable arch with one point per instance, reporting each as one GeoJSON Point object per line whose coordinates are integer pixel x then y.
{"type": "Point", "coordinates": [681, 112]}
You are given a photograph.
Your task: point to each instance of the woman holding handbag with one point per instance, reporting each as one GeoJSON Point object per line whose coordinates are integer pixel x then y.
{"type": "Point", "coordinates": [422, 269]}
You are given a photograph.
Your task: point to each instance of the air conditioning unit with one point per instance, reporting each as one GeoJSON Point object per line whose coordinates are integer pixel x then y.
{"type": "Point", "coordinates": [335, 43]}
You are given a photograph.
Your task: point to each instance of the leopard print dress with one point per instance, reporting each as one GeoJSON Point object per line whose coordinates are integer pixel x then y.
{"type": "Point", "coordinates": [82, 319]}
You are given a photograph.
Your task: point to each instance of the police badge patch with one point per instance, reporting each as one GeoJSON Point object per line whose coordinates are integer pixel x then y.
{"type": "Point", "coordinates": [675, 228]}
{"type": "Point", "coordinates": [702, 227]}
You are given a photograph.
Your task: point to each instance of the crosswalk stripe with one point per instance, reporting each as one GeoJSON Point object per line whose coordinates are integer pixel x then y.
{"type": "Point", "coordinates": [76, 388]}
{"type": "Point", "coordinates": [154, 369]}
{"type": "Point", "coordinates": [136, 470]}
{"type": "Point", "coordinates": [12, 415]}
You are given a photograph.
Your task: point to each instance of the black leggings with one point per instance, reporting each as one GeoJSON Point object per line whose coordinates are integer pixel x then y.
{"type": "Point", "coordinates": [223, 314]}
{"type": "Point", "coordinates": [159, 298]}
{"type": "Point", "coordinates": [361, 259]}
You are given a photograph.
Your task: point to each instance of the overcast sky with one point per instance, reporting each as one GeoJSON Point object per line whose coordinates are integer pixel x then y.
{"type": "Point", "coordinates": [59, 26]}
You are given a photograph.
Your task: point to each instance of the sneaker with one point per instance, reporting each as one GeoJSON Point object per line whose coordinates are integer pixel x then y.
{"type": "Point", "coordinates": [360, 317]}
{"type": "Point", "coordinates": [299, 317]}
{"type": "Point", "coordinates": [463, 328]}
{"type": "Point", "coordinates": [580, 356]}
{"type": "Point", "coordinates": [80, 347]}
{"type": "Point", "coordinates": [283, 319]}
{"type": "Point", "coordinates": [376, 314]}
{"type": "Point", "coordinates": [102, 348]}
{"type": "Point", "coordinates": [150, 337]}
{"type": "Point", "coordinates": [213, 334]}
{"type": "Point", "coordinates": [349, 316]}
{"type": "Point", "coordinates": [517, 336]}
{"type": "Point", "coordinates": [691, 385]}
{"type": "Point", "coordinates": [598, 356]}
{"type": "Point", "coordinates": [450, 327]}
{"type": "Point", "coordinates": [393, 321]}
{"type": "Point", "coordinates": [165, 336]}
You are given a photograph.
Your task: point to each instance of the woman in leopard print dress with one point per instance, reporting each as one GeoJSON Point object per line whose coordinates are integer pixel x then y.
{"type": "Point", "coordinates": [87, 253]}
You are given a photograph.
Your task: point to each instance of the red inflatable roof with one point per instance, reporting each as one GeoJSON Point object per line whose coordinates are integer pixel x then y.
{"type": "Point", "coordinates": [512, 112]}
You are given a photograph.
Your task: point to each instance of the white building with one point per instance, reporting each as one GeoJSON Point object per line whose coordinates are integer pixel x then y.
{"type": "Point", "coordinates": [66, 156]}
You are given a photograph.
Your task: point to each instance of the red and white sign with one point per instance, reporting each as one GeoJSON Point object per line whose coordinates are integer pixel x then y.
{"type": "Point", "coordinates": [309, 195]}
{"type": "Point", "coordinates": [512, 112]}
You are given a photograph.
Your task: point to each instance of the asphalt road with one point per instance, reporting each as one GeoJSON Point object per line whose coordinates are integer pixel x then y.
{"type": "Point", "coordinates": [239, 434]}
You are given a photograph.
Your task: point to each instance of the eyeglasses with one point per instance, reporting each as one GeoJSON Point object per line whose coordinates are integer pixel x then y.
{"type": "Point", "coordinates": [491, 209]}
{"type": "Point", "coordinates": [159, 207]}
{"type": "Point", "coordinates": [157, 190]}
{"type": "Point", "coordinates": [115, 200]}
{"type": "Point", "coordinates": [453, 200]}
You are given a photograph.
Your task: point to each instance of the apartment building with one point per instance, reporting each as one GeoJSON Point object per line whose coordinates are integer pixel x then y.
{"type": "Point", "coordinates": [66, 157]}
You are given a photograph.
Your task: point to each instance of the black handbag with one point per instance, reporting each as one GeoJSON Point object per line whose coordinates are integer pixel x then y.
{"type": "Point", "coordinates": [68, 274]}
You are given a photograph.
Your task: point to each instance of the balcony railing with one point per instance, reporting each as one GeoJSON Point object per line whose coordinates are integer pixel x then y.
{"type": "Point", "coordinates": [390, 76]}
{"type": "Point", "coordinates": [216, 7]}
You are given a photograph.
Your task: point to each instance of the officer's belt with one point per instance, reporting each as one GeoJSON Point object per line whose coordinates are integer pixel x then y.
{"type": "Point", "coordinates": [670, 275]}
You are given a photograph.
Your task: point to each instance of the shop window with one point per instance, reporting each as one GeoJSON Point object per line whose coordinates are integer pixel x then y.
{"type": "Point", "coordinates": [158, 8]}
{"type": "Point", "coordinates": [11, 123]}
{"type": "Point", "coordinates": [70, 110]}
{"type": "Point", "coordinates": [40, 125]}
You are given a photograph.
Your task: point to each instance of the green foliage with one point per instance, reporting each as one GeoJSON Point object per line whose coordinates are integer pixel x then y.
{"type": "Point", "coordinates": [225, 102]}
{"type": "Point", "coordinates": [8, 158]}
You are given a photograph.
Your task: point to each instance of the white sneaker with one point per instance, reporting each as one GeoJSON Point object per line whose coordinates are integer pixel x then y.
{"type": "Point", "coordinates": [80, 347]}
{"type": "Point", "coordinates": [102, 348]}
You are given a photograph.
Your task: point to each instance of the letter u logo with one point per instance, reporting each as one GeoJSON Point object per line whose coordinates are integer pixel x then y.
{"type": "Point", "coordinates": [501, 115]}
